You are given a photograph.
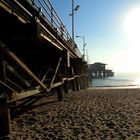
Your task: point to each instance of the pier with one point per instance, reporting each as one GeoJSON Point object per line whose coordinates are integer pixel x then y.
{"type": "Point", "coordinates": [98, 70]}
{"type": "Point", "coordinates": [37, 55]}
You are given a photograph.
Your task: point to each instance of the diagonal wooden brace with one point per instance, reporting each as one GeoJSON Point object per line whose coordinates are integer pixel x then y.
{"type": "Point", "coordinates": [5, 49]}
{"type": "Point", "coordinates": [56, 70]}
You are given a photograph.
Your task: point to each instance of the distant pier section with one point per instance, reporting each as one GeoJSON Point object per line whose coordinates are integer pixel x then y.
{"type": "Point", "coordinates": [98, 70]}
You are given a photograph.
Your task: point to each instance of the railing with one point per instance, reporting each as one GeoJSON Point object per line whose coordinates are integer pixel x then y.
{"type": "Point", "coordinates": [45, 10]}
{"type": "Point", "coordinates": [49, 14]}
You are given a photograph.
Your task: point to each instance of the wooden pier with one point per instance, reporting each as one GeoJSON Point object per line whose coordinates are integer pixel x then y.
{"type": "Point", "coordinates": [98, 70]}
{"type": "Point", "coordinates": [37, 55]}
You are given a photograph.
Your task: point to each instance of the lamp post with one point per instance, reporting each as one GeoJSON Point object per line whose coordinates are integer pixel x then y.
{"type": "Point", "coordinates": [72, 14]}
{"type": "Point", "coordinates": [87, 56]}
{"type": "Point", "coordinates": [84, 44]}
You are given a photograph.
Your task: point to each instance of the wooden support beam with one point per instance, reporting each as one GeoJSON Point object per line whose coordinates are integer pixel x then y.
{"type": "Point", "coordinates": [82, 76]}
{"type": "Point", "coordinates": [44, 77]}
{"type": "Point", "coordinates": [66, 89]}
{"type": "Point", "coordinates": [14, 85]}
{"type": "Point", "coordinates": [84, 82]}
{"type": "Point", "coordinates": [24, 94]}
{"type": "Point", "coordinates": [2, 68]}
{"type": "Point", "coordinates": [77, 84]}
{"type": "Point", "coordinates": [18, 96]}
{"type": "Point", "coordinates": [80, 83]}
{"type": "Point", "coordinates": [14, 72]}
{"type": "Point", "coordinates": [72, 78]}
{"type": "Point", "coordinates": [60, 93]}
{"type": "Point", "coordinates": [56, 70]}
{"type": "Point", "coordinates": [5, 128]}
{"type": "Point", "coordinates": [4, 48]}
{"type": "Point", "coordinates": [73, 81]}
{"type": "Point", "coordinates": [7, 86]}
{"type": "Point", "coordinates": [56, 84]}
{"type": "Point", "coordinates": [86, 79]}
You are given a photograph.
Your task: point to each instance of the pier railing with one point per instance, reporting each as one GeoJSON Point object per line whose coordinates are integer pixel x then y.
{"type": "Point", "coordinates": [50, 15]}
{"type": "Point", "coordinates": [43, 9]}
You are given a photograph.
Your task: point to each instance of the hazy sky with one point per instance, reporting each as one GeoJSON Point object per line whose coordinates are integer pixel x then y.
{"type": "Point", "coordinates": [111, 30]}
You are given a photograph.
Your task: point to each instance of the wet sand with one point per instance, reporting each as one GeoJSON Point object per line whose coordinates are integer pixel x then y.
{"type": "Point", "coordinates": [94, 114]}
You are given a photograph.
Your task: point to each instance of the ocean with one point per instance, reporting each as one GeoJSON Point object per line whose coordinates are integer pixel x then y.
{"type": "Point", "coordinates": [119, 80]}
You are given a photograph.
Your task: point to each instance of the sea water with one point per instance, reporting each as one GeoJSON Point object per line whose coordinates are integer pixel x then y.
{"type": "Point", "coordinates": [121, 80]}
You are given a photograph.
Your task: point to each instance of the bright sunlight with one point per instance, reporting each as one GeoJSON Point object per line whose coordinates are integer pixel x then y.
{"type": "Point", "coordinates": [131, 27]}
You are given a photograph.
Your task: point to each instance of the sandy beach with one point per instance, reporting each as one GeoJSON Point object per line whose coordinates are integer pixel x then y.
{"type": "Point", "coordinates": [94, 114]}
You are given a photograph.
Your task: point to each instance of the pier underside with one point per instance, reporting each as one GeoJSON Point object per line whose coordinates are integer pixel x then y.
{"type": "Point", "coordinates": [34, 56]}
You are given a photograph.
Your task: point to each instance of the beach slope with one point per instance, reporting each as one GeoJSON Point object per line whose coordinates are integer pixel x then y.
{"type": "Point", "coordinates": [94, 114]}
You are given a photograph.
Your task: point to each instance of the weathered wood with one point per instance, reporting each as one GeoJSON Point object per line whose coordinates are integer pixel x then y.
{"type": "Point", "coordinates": [4, 118]}
{"type": "Point", "coordinates": [87, 81]}
{"type": "Point", "coordinates": [47, 71]}
{"type": "Point", "coordinates": [21, 64]}
{"type": "Point", "coordinates": [80, 83]}
{"type": "Point", "coordinates": [56, 70]}
{"type": "Point", "coordinates": [66, 89]}
{"type": "Point", "coordinates": [24, 94]}
{"type": "Point", "coordinates": [60, 93]}
{"type": "Point", "coordinates": [72, 78]}
{"type": "Point", "coordinates": [73, 81]}
{"type": "Point", "coordinates": [56, 84]}
{"type": "Point", "coordinates": [77, 84]}
{"type": "Point", "coordinates": [2, 68]}
{"type": "Point", "coordinates": [5, 85]}
{"type": "Point", "coordinates": [14, 85]}
{"type": "Point", "coordinates": [84, 82]}
{"type": "Point", "coordinates": [14, 72]}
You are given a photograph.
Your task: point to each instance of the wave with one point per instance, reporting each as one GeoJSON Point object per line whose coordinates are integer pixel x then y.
{"type": "Point", "coordinates": [117, 81]}
{"type": "Point", "coordinates": [115, 86]}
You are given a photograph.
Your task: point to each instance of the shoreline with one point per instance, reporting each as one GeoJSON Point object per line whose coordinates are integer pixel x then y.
{"type": "Point", "coordinates": [115, 87]}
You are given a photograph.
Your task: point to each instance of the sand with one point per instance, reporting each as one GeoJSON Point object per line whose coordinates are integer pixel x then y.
{"type": "Point", "coordinates": [94, 114]}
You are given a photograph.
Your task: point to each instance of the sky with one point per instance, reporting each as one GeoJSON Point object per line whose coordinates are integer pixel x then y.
{"type": "Point", "coordinates": [111, 29]}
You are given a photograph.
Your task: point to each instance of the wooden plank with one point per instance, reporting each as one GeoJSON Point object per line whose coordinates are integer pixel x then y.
{"type": "Point", "coordinates": [14, 85]}
{"type": "Point", "coordinates": [12, 70]}
{"type": "Point", "coordinates": [24, 94]}
{"type": "Point", "coordinates": [72, 78]}
{"type": "Point", "coordinates": [5, 128]}
{"type": "Point", "coordinates": [64, 79]}
{"type": "Point", "coordinates": [5, 85]}
{"type": "Point", "coordinates": [21, 64]}
{"type": "Point", "coordinates": [56, 84]}
{"type": "Point", "coordinates": [18, 96]}
{"type": "Point", "coordinates": [44, 77]}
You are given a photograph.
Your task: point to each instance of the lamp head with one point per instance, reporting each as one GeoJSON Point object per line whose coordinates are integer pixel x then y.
{"type": "Point", "coordinates": [77, 7]}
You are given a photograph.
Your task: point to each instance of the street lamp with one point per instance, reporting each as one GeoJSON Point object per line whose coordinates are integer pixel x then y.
{"type": "Point", "coordinates": [72, 14]}
{"type": "Point", "coordinates": [84, 44]}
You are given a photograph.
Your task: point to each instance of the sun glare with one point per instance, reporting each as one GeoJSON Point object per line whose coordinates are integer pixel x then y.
{"type": "Point", "coordinates": [132, 27]}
